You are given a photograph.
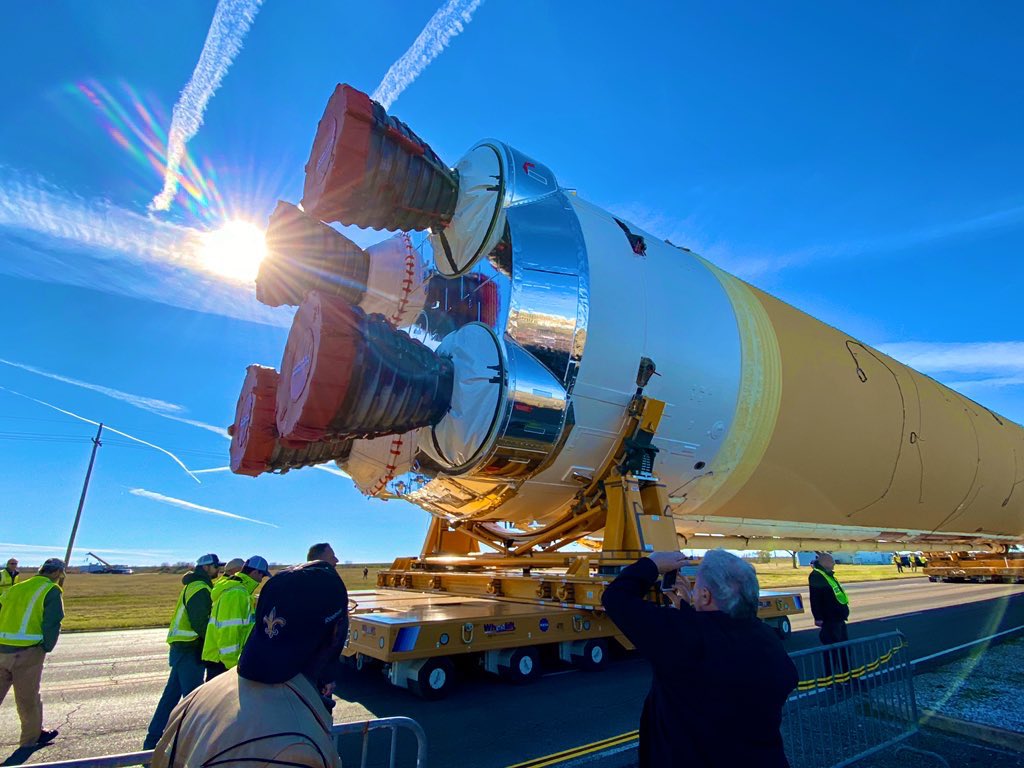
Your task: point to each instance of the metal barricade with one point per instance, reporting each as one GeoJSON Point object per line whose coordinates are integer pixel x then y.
{"type": "Point", "coordinates": [339, 731]}
{"type": "Point", "coordinates": [392, 724]}
{"type": "Point", "coordinates": [853, 699]}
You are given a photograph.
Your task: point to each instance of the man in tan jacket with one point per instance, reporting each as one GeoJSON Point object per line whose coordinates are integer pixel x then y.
{"type": "Point", "coordinates": [267, 710]}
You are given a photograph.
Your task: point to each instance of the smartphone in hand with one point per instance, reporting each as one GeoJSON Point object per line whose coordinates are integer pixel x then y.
{"type": "Point", "coordinates": [668, 581]}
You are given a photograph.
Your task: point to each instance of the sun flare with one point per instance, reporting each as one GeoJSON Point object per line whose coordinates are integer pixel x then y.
{"type": "Point", "coordinates": [233, 251]}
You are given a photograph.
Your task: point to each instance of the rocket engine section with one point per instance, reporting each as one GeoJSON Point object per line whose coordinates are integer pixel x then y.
{"type": "Point", "coordinates": [505, 374]}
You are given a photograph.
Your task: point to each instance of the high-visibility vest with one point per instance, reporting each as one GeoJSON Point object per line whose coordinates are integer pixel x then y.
{"type": "Point", "coordinates": [231, 621]}
{"type": "Point", "coordinates": [6, 581]}
{"type": "Point", "coordinates": [837, 588]}
{"type": "Point", "coordinates": [21, 615]}
{"type": "Point", "coordinates": [181, 630]}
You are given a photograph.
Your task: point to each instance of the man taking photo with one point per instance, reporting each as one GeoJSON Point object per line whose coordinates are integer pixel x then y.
{"type": "Point", "coordinates": [720, 675]}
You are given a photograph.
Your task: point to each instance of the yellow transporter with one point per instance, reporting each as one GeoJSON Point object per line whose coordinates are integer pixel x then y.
{"type": "Point", "coordinates": [977, 567]}
{"type": "Point", "coordinates": [418, 634]}
{"type": "Point", "coordinates": [507, 610]}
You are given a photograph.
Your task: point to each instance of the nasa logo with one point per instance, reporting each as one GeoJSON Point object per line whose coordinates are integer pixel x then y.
{"type": "Point", "coordinates": [544, 625]}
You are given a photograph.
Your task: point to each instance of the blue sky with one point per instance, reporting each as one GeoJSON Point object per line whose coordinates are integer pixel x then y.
{"type": "Point", "coordinates": [863, 164]}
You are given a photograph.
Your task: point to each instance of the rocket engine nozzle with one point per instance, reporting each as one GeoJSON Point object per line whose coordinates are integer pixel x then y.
{"type": "Point", "coordinates": [304, 254]}
{"type": "Point", "coordinates": [256, 446]}
{"type": "Point", "coordinates": [349, 374]}
{"type": "Point", "coordinates": [369, 169]}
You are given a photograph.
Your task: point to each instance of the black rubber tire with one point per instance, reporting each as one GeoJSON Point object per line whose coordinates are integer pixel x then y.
{"type": "Point", "coordinates": [783, 627]}
{"type": "Point", "coordinates": [435, 679]}
{"type": "Point", "coordinates": [595, 655]}
{"type": "Point", "coordinates": [365, 663]}
{"type": "Point", "coordinates": [524, 666]}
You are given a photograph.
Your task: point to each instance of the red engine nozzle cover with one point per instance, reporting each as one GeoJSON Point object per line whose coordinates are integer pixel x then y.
{"type": "Point", "coordinates": [254, 431]}
{"type": "Point", "coordinates": [346, 374]}
{"type": "Point", "coordinates": [256, 446]}
{"type": "Point", "coordinates": [317, 366]}
{"type": "Point", "coordinates": [304, 254]}
{"type": "Point", "coordinates": [369, 169]}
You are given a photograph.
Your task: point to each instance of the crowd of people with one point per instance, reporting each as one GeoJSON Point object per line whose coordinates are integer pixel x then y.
{"type": "Point", "coordinates": [251, 681]}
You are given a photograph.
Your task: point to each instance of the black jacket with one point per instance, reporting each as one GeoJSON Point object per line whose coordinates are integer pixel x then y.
{"type": "Point", "coordinates": [824, 605]}
{"type": "Point", "coordinates": [719, 683]}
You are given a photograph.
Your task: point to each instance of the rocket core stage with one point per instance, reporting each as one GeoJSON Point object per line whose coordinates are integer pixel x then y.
{"type": "Point", "coordinates": [483, 373]}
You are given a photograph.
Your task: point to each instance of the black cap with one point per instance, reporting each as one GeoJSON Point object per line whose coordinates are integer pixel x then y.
{"type": "Point", "coordinates": [295, 614]}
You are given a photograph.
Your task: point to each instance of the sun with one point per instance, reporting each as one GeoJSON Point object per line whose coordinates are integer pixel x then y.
{"type": "Point", "coordinates": [233, 251]}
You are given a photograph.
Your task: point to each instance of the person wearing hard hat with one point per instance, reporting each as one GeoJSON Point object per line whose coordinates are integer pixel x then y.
{"type": "Point", "coordinates": [185, 637]}
{"type": "Point", "coordinates": [231, 619]}
{"type": "Point", "coordinates": [30, 615]}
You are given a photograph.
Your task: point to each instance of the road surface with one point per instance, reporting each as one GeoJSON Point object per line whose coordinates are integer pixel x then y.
{"type": "Point", "coordinates": [100, 688]}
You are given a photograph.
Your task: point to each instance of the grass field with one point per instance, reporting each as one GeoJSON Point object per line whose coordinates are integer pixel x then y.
{"type": "Point", "coordinates": [102, 601]}
{"type": "Point", "coordinates": [107, 601]}
{"type": "Point", "coordinates": [780, 573]}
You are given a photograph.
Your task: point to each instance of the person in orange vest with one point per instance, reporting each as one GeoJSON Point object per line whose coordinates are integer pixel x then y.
{"type": "Point", "coordinates": [31, 612]}
{"type": "Point", "coordinates": [185, 637]}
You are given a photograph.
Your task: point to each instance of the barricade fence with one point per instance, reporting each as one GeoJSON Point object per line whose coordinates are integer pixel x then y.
{"type": "Point", "coordinates": [390, 724]}
{"type": "Point", "coordinates": [853, 699]}
{"type": "Point", "coordinates": [341, 733]}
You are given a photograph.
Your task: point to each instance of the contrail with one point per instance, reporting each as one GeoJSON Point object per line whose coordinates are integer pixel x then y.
{"type": "Point", "coordinates": [330, 469]}
{"type": "Point", "coordinates": [447, 23]}
{"type": "Point", "coordinates": [212, 469]}
{"type": "Point", "coordinates": [182, 504]}
{"type": "Point", "coordinates": [150, 404]}
{"type": "Point", "coordinates": [231, 22]}
{"type": "Point", "coordinates": [108, 428]}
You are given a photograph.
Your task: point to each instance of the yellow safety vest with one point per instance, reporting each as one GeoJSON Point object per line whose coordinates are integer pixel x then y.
{"type": "Point", "coordinates": [6, 581]}
{"type": "Point", "coordinates": [231, 621]}
{"type": "Point", "coordinates": [21, 615]}
{"type": "Point", "coordinates": [837, 588]}
{"type": "Point", "coordinates": [181, 630]}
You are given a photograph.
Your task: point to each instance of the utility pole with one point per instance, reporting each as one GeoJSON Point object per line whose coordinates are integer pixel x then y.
{"type": "Point", "coordinates": [81, 502]}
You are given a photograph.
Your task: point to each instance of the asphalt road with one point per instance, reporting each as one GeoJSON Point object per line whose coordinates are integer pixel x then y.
{"type": "Point", "coordinates": [100, 688]}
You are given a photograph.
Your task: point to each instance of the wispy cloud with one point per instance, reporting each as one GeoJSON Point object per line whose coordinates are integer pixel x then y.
{"type": "Point", "coordinates": [447, 23]}
{"type": "Point", "coordinates": [153, 405]}
{"type": "Point", "coordinates": [749, 264]}
{"type": "Point", "coordinates": [108, 428]}
{"type": "Point", "coordinates": [191, 507]}
{"type": "Point", "coordinates": [46, 548]}
{"type": "Point", "coordinates": [231, 22]}
{"type": "Point", "coordinates": [995, 364]}
{"type": "Point", "coordinates": [56, 236]}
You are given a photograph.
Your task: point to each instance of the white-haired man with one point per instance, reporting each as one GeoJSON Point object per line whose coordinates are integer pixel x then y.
{"type": "Point", "coordinates": [721, 676]}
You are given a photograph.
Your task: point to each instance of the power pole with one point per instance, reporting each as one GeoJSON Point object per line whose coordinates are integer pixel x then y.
{"type": "Point", "coordinates": [81, 502]}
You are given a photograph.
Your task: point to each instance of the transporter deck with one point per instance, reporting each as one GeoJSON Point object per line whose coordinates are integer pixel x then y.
{"type": "Point", "coordinates": [416, 635]}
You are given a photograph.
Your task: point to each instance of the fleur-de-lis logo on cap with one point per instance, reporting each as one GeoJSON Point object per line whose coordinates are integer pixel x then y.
{"type": "Point", "coordinates": [273, 623]}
